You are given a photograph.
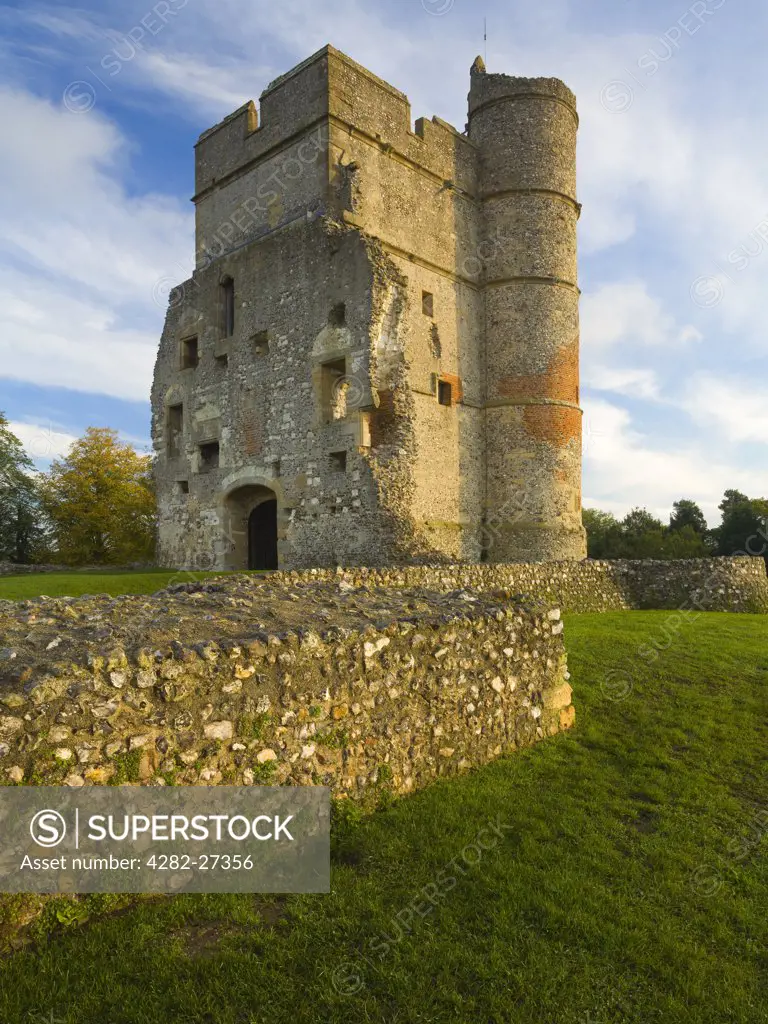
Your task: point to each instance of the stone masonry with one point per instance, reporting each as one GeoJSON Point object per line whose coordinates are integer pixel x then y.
{"type": "Point", "coordinates": [376, 358]}
{"type": "Point", "coordinates": [239, 680]}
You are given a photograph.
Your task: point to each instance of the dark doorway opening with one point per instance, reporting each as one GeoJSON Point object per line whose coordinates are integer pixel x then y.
{"type": "Point", "coordinates": [262, 536]}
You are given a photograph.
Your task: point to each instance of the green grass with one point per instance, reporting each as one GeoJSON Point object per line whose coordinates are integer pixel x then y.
{"type": "Point", "coordinates": [629, 882]}
{"type": "Point", "coordinates": [74, 584]}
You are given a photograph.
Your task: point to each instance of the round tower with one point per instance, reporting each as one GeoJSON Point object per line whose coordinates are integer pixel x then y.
{"type": "Point", "coordinates": [525, 129]}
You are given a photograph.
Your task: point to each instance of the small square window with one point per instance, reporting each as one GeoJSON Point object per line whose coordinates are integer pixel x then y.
{"type": "Point", "coordinates": [338, 462]}
{"type": "Point", "coordinates": [190, 355]}
{"type": "Point", "coordinates": [427, 304]}
{"type": "Point", "coordinates": [444, 392]}
{"type": "Point", "coordinates": [183, 486]}
{"type": "Point", "coordinates": [338, 315]}
{"type": "Point", "coordinates": [261, 343]}
{"type": "Point", "coordinates": [222, 361]}
{"type": "Point", "coordinates": [209, 456]}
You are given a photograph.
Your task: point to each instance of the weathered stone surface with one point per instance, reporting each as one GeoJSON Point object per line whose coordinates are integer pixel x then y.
{"type": "Point", "coordinates": [567, 717]}
{"type": "Point", "coordinates": [218, 731]}
{"type": "Point", "coordinates": [424, 355]}
{"type": "Point", "coordinates": [334, 683]}
{"type": "Point", "coordinates": [559, 697]}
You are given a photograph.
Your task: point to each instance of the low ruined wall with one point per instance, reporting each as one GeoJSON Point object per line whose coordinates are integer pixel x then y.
{"type": "Point", "coordinates": [218, 683]}
{"type": "Point", "coordinates": [245, 681]}
{"type": "Point", "coordinates": [17, 569]}
{"type": "Point", "coordinates": [708, 584]}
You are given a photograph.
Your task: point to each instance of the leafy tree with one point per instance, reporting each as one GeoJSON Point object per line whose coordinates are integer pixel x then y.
{"type": "Point", "coordinates": [687, 513]}
{"type": "Point", "coordinates": [20, 512]}
{"type": "Point", "coordinates": [686, 542]}
{"type": "Point", "coordinates": [732, 499]}
{"type": "Point", "coordinates": [100, 502]}
{"type": "Point", "coordinates": [745, 525]}
{"type": "Point", "coordinates": [603, 533]}
{"type": "Point", "coordinates": [640, 535]}
{"type": "Point", "coordinates": [640, 521]}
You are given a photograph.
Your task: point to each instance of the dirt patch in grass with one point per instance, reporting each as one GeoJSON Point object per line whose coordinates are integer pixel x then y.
{"type": "Point", "coordinates": [203, 939]}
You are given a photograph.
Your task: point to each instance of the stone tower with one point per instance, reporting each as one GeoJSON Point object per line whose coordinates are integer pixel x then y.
{"type": "Point", "coordinates": [525, 130]}
{"type": "Point", "coordinates": [376, 357]}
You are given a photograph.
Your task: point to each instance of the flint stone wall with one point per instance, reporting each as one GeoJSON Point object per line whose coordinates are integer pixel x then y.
{"type": "Point", "coordinates": [732, 584]}
{"type": "Point", "coordinates": [240, 681]}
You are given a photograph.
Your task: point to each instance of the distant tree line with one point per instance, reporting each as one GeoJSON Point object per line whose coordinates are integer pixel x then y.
{"type": "Point", "coordinates": [96, 506]}
{"type": "Point", "coordinates": [743, 530]}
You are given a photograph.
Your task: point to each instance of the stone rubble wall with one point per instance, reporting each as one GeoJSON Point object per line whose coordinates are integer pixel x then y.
{"type": "Point", "coordinates": [734, 584]}
{"type": "Point", "coordinates": [390, 706]}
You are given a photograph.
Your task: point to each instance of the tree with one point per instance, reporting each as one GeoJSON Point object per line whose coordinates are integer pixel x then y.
{"type": "Point", "coordinates": [731, 500]}
{"type": "Point", "coordinates": [686, 542]}
{"type": "Point", "coordinates": [603, 533]}
{"type": "Point", "coordinates": [639, 535]}
{"type": "Point", "coordinates": [687, 513]}
{"type": "Point", "coordinates": [20, 511]}
{"type": "Point", "coordinates": [100, 502]}
{"type": "Point", "coordinates": [744, 527]}
{"type": "Point", "coordinates": [640, 521]}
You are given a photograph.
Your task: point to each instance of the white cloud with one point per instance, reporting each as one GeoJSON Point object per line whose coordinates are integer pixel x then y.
{"type": "Point", "coordinates": [625, 312]}
{"type": "Point", "coordinates": [42, 441]}
{"type": "Point", "coordinates": [214, 89]}
{"type": "Point", "coordinates": [49, 338]}
{"type": "Point", "coordinates": [735, 408]}
{"type": "Point", "coordinates": [634, 383]}
{"type": "Point", "coordinates": [45, 440]}
{"type": "Point", "coordinates": [64, 209]}
{"type": "Point", "coordinates": [624, 467]}
{"type": "Point", "coordinates": [85, 261]}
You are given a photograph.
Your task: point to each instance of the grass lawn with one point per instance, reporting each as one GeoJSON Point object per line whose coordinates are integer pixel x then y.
{"type": "Point", "coordinates": [627, 880]}
{"type": "Point", "coordinates": [75, 584]}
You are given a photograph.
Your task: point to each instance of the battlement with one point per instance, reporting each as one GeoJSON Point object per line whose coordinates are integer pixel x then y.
{"type": "Point", "coordinates": [290, 106]}
{"type": "Point", "coordinates": [486, 89]}
{"type": "Point", "coordinates": [327, 87]}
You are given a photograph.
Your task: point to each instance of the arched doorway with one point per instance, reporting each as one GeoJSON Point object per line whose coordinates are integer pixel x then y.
{"type": "Point", "coordinates": [262, 535]}
{"type": "Point", "coordinates": [251, 524]}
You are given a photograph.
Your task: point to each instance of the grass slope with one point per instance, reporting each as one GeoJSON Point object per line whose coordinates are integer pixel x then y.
{"type": "Point", "coordinates": [627, 880]}
{"type": "Point", "coordinates": [75, 584]}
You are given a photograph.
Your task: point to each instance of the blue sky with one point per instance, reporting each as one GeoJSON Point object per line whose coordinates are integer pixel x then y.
{"type": "Point", "coordinates": [101, 103]}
